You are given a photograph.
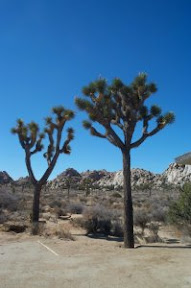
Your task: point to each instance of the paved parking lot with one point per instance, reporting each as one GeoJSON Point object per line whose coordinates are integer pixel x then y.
{"type": "Point", "coordinates": [90, 263]}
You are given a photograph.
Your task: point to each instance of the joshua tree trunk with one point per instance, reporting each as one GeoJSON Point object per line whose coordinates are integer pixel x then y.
{"type": "Point", "coordinates": [36, 202]}
{"type": "Point", "coordinates": [128, 207]}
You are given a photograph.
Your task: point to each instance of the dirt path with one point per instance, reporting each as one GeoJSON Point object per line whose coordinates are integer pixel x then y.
{"type": "Point", "coordinates": [91, 263]}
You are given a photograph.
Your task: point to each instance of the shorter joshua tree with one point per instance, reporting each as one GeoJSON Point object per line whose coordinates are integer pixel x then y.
{"type": "Point", "coordinates": [31, 141]}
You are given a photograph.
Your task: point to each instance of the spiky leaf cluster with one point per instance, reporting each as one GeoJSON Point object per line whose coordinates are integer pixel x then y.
{"type": "Point", "coordinates": [123, 106]}
{"type": "Point", "coordinates": [29, 135]}
{"type": "Point", "coordinates": [31, 139]}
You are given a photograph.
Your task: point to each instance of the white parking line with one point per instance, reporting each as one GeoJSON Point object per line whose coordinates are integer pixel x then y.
{"type": "Point", "coordinates": [48, 248]}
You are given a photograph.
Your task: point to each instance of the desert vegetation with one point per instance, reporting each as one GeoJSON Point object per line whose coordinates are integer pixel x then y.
{"type": "Point", "coordinates": [98, 214]}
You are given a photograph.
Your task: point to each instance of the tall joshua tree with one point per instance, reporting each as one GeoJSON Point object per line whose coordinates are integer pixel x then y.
{"type": "Point", "coordinates": [31, 141]}
{"type": "Point", "coordinates": [119, 108]}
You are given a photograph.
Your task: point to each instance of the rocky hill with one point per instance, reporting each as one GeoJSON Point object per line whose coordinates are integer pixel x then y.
{"type": "Point", "coordinates": [174, 175]}
{"type": "Point", "coordinates": [5, 178]}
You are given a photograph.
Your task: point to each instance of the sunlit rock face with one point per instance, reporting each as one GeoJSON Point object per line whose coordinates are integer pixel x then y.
{"type": "Point", "coordinates": [178, 174]}
{"type": "Point", "coordinates": [175, 174]}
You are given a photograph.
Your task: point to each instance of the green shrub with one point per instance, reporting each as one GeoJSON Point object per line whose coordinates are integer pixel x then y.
{"type": "Point", "coordinates": [180, 210]}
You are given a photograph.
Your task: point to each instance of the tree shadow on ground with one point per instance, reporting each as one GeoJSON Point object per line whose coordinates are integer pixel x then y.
{"type": "Point", "coordinates": [169, 244]}
{"type": "Point", "coordinates": [105, 237]}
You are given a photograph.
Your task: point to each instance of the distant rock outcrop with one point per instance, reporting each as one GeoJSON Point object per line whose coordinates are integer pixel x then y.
{"type": "Point", "coordinates": [5, 178]}
{"type": "Point", "coordinates": [175, 174]}
{"type": "Point", "coordinates": [23, 181]}
{"type": "Point", "coordinates": [69, 174]}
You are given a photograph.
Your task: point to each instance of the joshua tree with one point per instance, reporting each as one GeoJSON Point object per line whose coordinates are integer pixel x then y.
{"type": "Point", "coordinates": [31, 141]}
{"type": "Point", "coordinates": [119, 108]}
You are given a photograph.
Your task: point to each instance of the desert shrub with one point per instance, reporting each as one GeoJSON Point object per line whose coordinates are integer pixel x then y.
{"type": "Point", "coordinates": [158, 209]}
{"type": "Point", "coordinates": [119, 188]}
{"type": "Point", "coordinates": [141, 218]}
{"type": "Point", "coordinates": [116, 195]}
{"type": "Point", "coordinates": [144, 186]}
{"type": "Point", "coordinates": [15, 227]}
{"type": "Point", "coordinates": [154, 228]}
{"type": "Point", "coordinates": [154, 237]}
{"type": "Point", "coordinates": [159, 214]}
{"type": "Point", "coordinates": [8, 201]}
{"type": "Point", "coordinates": [55, 203]}
{"type": "Point", "coordinates": [60, 211]}
{"type": "Point", "coordinates": [117, 228]}
{"type": "Point", "coordinates": [109, 187]}
{"type": "Point", "coordinates": [3, 218]}
{"type": "Point", "coordinates": [97, 219]}
{"type": "Point", "coordinates": [75, 208]}
{"type": "Point", "coordinates": [180, 210]}
{"type": "Point", "coordinates": [62, 231]}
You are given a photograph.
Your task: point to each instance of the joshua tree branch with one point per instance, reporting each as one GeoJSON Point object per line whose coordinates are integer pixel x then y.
{"type": "Point", "coordinates": [49, 170]}
{"type": "Point", "coordinates": [94, 132]}
{"type": "Point", "coordinates": [116, 140]}
{"type": "Point", "coordinates": [144, 137]}
{"type": "Point", "coordinates": [28, 165]}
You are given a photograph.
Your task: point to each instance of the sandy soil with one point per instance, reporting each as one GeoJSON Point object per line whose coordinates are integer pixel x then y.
{"type": "Point", "coordinates": [90, 263]}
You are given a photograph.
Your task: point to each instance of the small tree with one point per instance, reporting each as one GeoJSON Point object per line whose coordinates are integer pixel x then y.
{"type": "Point", "coordinates": [31, 141]}
{"type": "Point", "coordinates": [121, 107]}
{"type": "Point", "coordinates": [68, 186]}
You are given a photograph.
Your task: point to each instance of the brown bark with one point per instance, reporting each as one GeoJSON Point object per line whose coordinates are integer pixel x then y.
{"type": "Point", "coordinates": [128, 206]}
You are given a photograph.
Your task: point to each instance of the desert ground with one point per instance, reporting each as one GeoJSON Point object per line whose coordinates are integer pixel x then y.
{"type": "Point", "coordinates": [36, 261]}
{"type": "Point", "coordinates": [65, 254]}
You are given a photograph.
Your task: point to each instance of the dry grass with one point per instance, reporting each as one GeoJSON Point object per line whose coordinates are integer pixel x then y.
{"type": "Point", "coordinates": [59, 230]}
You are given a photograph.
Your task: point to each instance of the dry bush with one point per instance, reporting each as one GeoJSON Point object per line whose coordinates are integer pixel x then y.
{"type": "Point", "coordinates": [116, 195]}
{"type": "Point", "coordinates": [141, 218]}
{"type": "Point", "coordinates": [83, 199]}
{"type": "Point", "coordinates": [75, 208]}
{"type": "Point", "coordinates": [158, 209]}
{"type": "Point", "coordinates": [15, 227]}
{"type": "Point", "coordinates": [55, 203]}
{"type": "Point", "coordinates": [97, 219]}
{"type": "Point", "coordinates": [3, 217]}
{"type": "Point", "coordinates": [8, 201]}
{"type": "Point", "coordinates": [60, 211]}
{"type": "Point", "coordinates": [100, 219]}
{"type": "Point", "coordinates": [154, 229]}
{"type": "Point", "coordinates": [62, 231]}
{"type": "Point", "coordinates": [117, 228]}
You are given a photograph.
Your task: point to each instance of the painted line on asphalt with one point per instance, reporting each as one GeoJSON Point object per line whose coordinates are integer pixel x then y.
{"type": "Point", "coordinates": [48, 248]}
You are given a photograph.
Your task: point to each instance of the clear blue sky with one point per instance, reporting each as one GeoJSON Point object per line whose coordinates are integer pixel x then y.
{"type": "Point", "coordinates": [50, 49]}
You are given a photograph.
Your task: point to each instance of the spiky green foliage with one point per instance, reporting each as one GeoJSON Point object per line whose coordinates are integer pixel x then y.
{"type": "Point", "coordinates": [180, 210]}
{"type": "Point", "coordinates": [31, 138]}
{"type": "Point", "coordinates": [155, 110]}
{"type": "Point", "coordinates": [87, 124]}
{"type": "Point", "coordinates": [122, 106]}
{"type": "Point", "coordinates": [169, 118]}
